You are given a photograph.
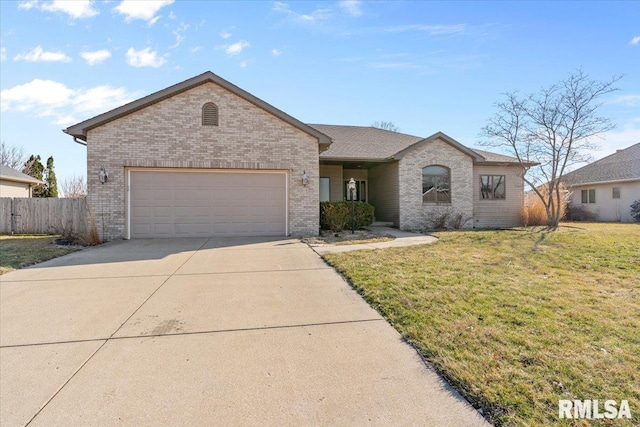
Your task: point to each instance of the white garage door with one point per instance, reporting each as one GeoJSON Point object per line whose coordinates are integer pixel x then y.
{"type": "Point", "coordinates": [190, 204]}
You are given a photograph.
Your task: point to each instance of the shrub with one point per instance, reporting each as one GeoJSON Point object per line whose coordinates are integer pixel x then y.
{"type": "Point", "coordinates": [446, 218]}
{"type": "Point", "coordinates": [578, 213]}
{"type": "Point", "coordinates": [336, 216]}
{"type": "Point", "coordinates": [635, 210]}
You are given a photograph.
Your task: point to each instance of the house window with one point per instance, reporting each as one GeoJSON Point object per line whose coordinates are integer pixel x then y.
{"type": "Point", "coordinates": [589, 196]}
{"type": "Point", "coordinates": [325, 190]}
{"type": "Point", "coordinates": [616, 192]}
{"type": "Point", "coordinates": [361, 191]}
{"type": "Point", "coordinates": [209, 114]}
{"type": "Point", "coordinates": [492, 187]}
{"type": "Point", "coordinates": [436, 184]}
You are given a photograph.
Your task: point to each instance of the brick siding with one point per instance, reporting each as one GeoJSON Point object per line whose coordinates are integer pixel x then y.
{"type": "Point", "coordinates": [169, 134]}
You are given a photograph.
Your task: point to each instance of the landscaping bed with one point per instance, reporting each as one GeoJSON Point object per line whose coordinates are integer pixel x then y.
{"type": "Point", "coordinates": [345, 237]}
{"type": "Point", "coordinates": [517, 319]}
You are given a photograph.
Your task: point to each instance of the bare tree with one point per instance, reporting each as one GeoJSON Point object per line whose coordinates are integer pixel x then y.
{"type": "Point", "coordinates": [385, 125]}
{"type": "Point", "coordinates": [74, 187]}
{"type": "Point", "coordinates": [12, 156]}
{"type": "Point", "coordinates": [550, 131]}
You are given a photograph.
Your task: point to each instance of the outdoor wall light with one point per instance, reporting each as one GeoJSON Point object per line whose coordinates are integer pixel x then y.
{"type": "Point", "coordinates": [104, 175]}
{"type": "Point", "coordinates": [305, 178]}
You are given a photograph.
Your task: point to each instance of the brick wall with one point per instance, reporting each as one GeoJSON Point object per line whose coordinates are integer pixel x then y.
{"type": "Point", "coordinates": [170, 134]}
{"type": "Point", "coordinates": [416, 215]}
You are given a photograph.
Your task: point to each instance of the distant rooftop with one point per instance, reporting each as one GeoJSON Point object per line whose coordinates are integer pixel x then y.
{"type": "Point", "coordinates": [10, 174]}
{"type": "Point", "coordinates": [619, 166]}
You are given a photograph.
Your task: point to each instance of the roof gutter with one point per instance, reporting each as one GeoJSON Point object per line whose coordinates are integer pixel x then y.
{"type": "Point", "coordinates": [76, 140]}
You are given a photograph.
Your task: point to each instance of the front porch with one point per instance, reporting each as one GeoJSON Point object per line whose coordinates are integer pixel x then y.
{"type": "Point", "coordinates": [376, 184]}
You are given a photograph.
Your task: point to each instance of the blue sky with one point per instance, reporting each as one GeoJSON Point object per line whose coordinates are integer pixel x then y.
{"type": "Point", "coordinates": [426, 66]}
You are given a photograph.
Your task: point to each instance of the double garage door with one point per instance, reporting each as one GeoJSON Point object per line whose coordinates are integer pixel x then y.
{"type": "Point", "coordinates": [207, 203]}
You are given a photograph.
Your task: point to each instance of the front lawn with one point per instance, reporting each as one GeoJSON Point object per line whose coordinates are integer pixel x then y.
{"type": "Point", "coordinates": [20, 251]}
{"type": "Point", "coordinates": [517, 320]}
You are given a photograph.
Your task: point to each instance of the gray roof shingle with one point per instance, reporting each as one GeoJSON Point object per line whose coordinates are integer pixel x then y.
{"type": "Point", "coordinates": [10, 174]}
{"type": "Point", "coordinates": [619, 166]}
{"type": "Point", "coordinates": [360, 142]}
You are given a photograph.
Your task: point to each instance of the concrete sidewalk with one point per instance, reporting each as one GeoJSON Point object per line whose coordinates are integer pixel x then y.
{"type": "Point", "coordinates": [204, 331]}
{"type": "Point", "coordinates": [402, 238]}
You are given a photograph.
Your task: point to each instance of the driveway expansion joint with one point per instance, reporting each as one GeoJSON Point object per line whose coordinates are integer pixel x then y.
{"type": "Point", "coordinates": [212, 331]}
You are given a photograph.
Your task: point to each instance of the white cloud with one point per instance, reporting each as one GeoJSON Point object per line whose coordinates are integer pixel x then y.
{"type": "Point", "coordinates": [635, 41]}
{"type": "Point", "coordinates": [37, 93]}
{"type": "Point", "coordinates": [96, 57]}
{"type": "Point", "coordinates": [225, 34]}
{"type": "Point", "coordinates": [352, 7]}
{"type": "Point", "coordinates": [37, 54]}
{"type": "Point", "coordinates": [302, 18]}
{"type": "Point", "coordinates": [28, 4]}
{"type": "Point", "coordinates": [276, 52]}
{"type": "Point", "coordinates": [179, 33]}
{"type": "Point", "coordinates": [3, 54]}
{"type": "Point", "coordinates": [236, 48]}
{"type": "Point", "coordinates": [65, 121]}
{"type": "Point", "coordinates": [627, 100]}
{"type": "Point", "coordinates": [76, 9]}
{"type": "Point", "coordinates": [430, 29]}
{"type": "Point", "coordinates": [144, 10]}
{"type": "Point", "coordinates": [195, 49]}
{"type": "Point", "coordinates": [144, 58]}
{"type": "Point", "coordinates": [49, 98]}
{"type": "Point", "coordinates": [99, 99]}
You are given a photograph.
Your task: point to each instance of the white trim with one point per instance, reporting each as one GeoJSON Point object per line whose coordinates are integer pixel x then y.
{"type": "Point", "coordinates": [128, 190]}
{"type": "Point", "coordinates": [286, 203]}
{"type": "Point", "coordinates": [615, 181]}
{"type": "Point", "coordinates": [200, 170]}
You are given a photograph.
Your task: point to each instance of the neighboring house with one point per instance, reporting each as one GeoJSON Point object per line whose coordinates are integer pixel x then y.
{"type": "Point", "coordinates": [204, 157]}
{"type": "Point", "coordinates": [14, 183]}
{"type": "Point", "coordinates": [606, 188]}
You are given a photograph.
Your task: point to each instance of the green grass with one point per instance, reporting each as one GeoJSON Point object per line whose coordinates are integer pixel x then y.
{"type": "Point", "coordinates": [517, 320]}
{"type": "Point", "coordinates": [21, 251]}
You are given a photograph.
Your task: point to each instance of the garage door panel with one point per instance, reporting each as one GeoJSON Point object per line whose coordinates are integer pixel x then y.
{"type": "Point", "coordinates": [189, 203]}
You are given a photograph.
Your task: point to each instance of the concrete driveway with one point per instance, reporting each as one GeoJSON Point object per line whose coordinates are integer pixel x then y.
{"type": "Point", "coordinates": [232, 331]}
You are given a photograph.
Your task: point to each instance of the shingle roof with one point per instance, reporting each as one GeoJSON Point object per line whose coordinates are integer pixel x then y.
{"type": "Point", "coordinates": [10, 174]}
{"type": "Point", "coordinates": [619, 166]}
{"type": "Point", "coordinates": [360, 142]}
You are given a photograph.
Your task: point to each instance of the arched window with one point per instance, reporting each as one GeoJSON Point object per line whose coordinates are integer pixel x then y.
{"type": "Point", "coordinates": [209, 114]}
{"type": "Point", "coordinates": [436, 184]}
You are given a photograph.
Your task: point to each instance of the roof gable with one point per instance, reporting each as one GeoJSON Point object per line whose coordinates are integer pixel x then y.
{"type": "Point", "coordinates": [624, 165]}
{"type": "Point", "coordinates": [80, 130]}
{"type": "Point", "coordinates": [440, 135]}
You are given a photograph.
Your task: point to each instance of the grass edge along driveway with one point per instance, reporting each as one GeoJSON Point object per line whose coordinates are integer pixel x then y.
{"type": "Point", "coordinates": [516, 320]}
{"type": "Point", "coordinates": [19, 251]}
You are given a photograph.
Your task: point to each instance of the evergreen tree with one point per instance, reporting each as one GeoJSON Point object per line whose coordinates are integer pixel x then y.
{"type": "Point", "coordinates": [33, 167]}
{"type": "Point", "coordinates": [50, 179]}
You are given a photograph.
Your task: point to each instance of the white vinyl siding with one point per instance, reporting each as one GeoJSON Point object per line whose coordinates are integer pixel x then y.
{"type": "Point", "coordinates": [14, 189]}
{"type": "Point", "coordinates": [605, 207]}
{"type": "Point", "coordinates": [497, 213]}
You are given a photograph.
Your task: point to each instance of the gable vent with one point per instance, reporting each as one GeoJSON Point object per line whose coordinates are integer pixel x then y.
{"type": "Point", "coordinates": [209, 114]}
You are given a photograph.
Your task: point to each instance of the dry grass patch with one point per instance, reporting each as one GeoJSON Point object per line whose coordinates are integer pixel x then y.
{"type": "Point", "coordinates": [517, 320]}
{"type": "Point", "coordinates": [21, 251]}
{"type": "Point", "coordinates": [346, 238]}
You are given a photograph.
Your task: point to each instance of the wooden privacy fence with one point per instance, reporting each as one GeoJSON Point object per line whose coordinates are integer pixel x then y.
{"type": "Point", "coordinates": [43, 216]}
